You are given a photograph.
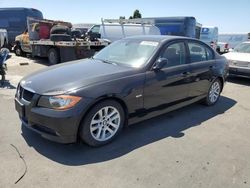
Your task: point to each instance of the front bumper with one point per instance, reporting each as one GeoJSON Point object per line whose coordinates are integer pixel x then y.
{"type": "Point", "coordinates": [58, 126]}
{"type": "Point", "coordinates": [241, 71]}
{"type": "Point", "coordinates": [49, 134]}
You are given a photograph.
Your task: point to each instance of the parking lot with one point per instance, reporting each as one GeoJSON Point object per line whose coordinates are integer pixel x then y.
{"type": "Point", "coordinates": [196, 146]}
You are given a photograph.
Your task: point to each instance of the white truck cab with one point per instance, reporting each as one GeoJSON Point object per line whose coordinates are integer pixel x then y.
{"type": "Point", "coordinates": [115, 29]}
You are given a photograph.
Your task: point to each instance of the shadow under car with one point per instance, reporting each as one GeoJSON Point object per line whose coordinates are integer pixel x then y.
{"type": "Point", "coordinates": [133, 137]}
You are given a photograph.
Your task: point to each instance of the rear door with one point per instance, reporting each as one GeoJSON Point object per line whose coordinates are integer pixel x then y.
{"type": "Point", "coordinates": [168, 86]}
{"type": "Point", "coordinates": [202, 63]}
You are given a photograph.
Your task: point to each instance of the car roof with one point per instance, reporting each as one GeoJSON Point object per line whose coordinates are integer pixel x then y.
{"type": "Point", "coordinates": [157, 38]}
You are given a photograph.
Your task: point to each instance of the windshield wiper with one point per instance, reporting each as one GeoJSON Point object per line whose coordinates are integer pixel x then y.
{"type": "Point", "coordinates": [106, 61]}
{"type": "Point", "coordinates": [110, 62]}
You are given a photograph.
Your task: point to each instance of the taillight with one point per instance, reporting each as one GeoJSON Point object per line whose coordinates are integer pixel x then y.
{"type": "Point", "coordinates": [226, 45]}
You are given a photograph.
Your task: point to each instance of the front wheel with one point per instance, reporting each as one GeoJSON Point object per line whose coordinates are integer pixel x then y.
{"type": "Point", "coordinates": [103, 123]}
{"type": "Point", "coordinates": [18, 51]}
{"type": "Point", "coordinates": [213, 93]}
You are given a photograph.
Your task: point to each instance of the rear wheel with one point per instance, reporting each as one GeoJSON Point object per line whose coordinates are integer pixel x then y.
{"type": "Point", "coordinates": [213, 93]}
{"type": "Point", "coordinates": [103, 123]}
{"type": "Point", "coordinates": [53, 56]}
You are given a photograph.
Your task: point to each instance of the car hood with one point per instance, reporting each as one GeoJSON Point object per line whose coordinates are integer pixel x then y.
{"type": "Point", "coordinates": [68, 77]}
{"type": "Point", "coordinates": [237, 56]}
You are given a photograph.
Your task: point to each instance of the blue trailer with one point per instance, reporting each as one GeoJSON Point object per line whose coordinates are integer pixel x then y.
{"type": "Point", "coordinates": [179, 26]}
{"type": "Point", "coordinates": [14, 20]}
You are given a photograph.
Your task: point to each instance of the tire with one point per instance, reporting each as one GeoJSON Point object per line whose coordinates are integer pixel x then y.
{"type": "Point", "coordinates": [60, 29]}
{"type": "Point", "coordinates": [60, 37]}
{"type": "Point", "coordinates": [214, 92]}
{"type": "Point", "coordinates": [106, 132]}
{"type": "Point", "coordinates": [18, 51]}
{"type": "Point", "coordinates": [53, 56]}
{"type": "Point", "coordinates": [218, 50]}
{"type": "Point", "coordinates": [76, 34]}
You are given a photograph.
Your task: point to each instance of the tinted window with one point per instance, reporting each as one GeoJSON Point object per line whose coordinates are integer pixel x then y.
{"type": "Point", "coordinates": [199, 52]}
{"type": "Point", "coordinates": [95, 29]}
{"type": "Point", "coordinates": [209, 53]}
{"type": "Point", "coordinates": [175, 54]}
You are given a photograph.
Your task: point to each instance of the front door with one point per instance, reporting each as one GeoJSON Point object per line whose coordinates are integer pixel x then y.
{"type": "Point", "coordinates": [168, 86]}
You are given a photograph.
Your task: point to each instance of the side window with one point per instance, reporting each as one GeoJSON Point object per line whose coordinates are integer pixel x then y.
{"type": "Point", "coordinates": [197, 52]}
{"type": "Point", "coordinates": [209, 54]}
{"type": "Point", "coordinates": [95, 29]}
{"type": "Point", "coordinates": [175, 54]}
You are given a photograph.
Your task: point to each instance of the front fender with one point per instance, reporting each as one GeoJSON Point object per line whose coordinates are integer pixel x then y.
{"type": "Point", "coordinates": [128, 89]}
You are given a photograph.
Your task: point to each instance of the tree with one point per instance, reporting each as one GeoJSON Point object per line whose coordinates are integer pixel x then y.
{"type": "Point", "coordinates": [136, 14]}
{"type": "Point", "coordinates": [122, 17]}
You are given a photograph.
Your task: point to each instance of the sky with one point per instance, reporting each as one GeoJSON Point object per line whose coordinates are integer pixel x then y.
{"type": "Point", "coordinates": [230, 16]}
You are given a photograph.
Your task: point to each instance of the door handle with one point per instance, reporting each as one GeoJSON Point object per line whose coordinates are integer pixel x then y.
{"type": "Point", "coordinates": [184, 74]}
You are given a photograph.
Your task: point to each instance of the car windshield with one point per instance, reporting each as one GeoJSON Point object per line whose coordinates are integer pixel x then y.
{"type": "Point", "coordinates": [132, 53]}
{"type": "Point", "coordinates": [243, 48]}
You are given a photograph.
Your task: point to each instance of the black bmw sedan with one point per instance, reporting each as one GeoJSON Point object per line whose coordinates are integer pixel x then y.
{"type": "Point", "coordinates": [131, 80]}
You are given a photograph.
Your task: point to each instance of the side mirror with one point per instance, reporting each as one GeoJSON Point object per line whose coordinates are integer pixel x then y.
{"type": "Point", "coordinates": [160, 63]}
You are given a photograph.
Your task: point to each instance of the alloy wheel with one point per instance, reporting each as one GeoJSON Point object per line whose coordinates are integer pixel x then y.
{"type": "Point", "coordinates": [105, 123]}
{"type": "Point", "coordinates": [214, 92]}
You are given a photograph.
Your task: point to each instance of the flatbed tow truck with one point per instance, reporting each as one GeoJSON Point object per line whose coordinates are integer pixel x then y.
{"type": "Point", "coordinates": [55, 40]}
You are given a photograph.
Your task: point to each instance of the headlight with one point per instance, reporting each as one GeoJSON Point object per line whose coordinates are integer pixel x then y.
{"type": "Point", "coordinates": [59, 102]}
